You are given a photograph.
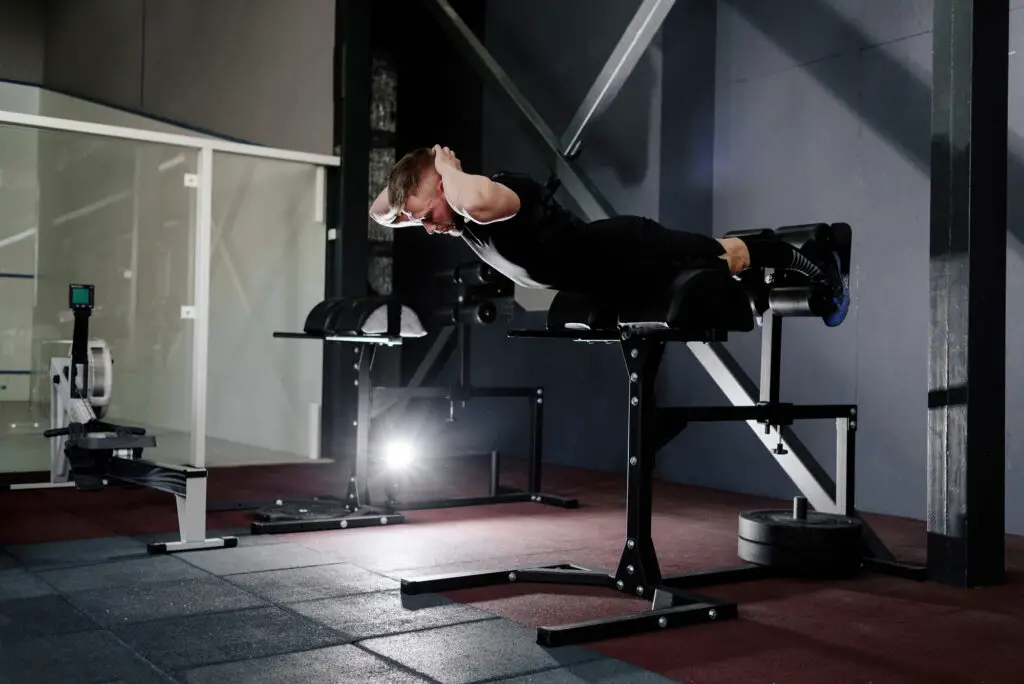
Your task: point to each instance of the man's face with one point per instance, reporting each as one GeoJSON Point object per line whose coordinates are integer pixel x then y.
{"type": "Point", "coordinates": [428, 206]}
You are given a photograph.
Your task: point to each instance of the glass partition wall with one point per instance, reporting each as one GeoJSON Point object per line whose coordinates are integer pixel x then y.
{"type": "Point", "coordinates": [198, 248]}
{"type": "Point", "coordinates": [266, 272]}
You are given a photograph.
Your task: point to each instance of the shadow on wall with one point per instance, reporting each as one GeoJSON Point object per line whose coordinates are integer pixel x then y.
{"type": "Point", "coordinates": [604, 143]}
{"type": "Point", "coordinates": [554, 55]}
{"type": "Point", "coordinates": [902, 132]}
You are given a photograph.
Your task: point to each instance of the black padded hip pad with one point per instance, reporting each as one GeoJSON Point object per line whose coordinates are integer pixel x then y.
{"type": "Point", "coordinates": [697, 300]}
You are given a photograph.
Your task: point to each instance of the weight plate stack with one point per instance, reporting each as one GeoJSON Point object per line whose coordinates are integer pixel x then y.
{"type": "Point", "coordinates": [801, 542]}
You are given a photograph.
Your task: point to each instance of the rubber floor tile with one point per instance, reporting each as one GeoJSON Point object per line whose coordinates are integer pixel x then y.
{"type": "Point", "coordinates": [189, 642]}
{"type": "Point", "coordinates": [389, 550]}
{"type": "Point", "coordinates": [77, 552]}
{"type": "Point", "coordinates": [244, 559]}
{"type": "Point", "coordinates": [21, 584]}
{"type": "Point", "coordinates": [157, 601]}
{"type": "Point", "coordinates": [477, 651]}
{"type": "Point", "coordinates": [7, 561]}
{"type": "Point", "coordinates": [371, 615]}
{"type": "Point", "coordinates": [122, 573]}
{"type": "Point", "coordinates": [323, 666]}
{"type": "Point", "coordinates": [311, 583]}
{"type": "Point", "coordinates": [41, 616]}
{"type": "Point", "coordinates": [83, 658]}
{"type": "Point", "coordinates": [545, 605]}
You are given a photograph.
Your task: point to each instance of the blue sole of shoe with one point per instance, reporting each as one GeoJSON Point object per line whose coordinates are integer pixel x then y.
{"type": "Point", "coordinates": [842, 306]}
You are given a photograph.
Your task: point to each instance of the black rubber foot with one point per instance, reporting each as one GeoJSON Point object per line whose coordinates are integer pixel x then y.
{"type": "Point", "coordinates": [320, 524]}
{"type": "Point", "coordinates": [164, 548]}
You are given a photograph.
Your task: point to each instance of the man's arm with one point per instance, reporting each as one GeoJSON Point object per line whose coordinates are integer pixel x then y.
{"type": "Point", "coordinates": [478, 198]}
{"type": "Point", "coordinates": [382, 213]}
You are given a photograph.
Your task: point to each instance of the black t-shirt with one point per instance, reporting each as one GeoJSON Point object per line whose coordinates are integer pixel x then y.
{"type": "Point", "coordinates": [531, 248]}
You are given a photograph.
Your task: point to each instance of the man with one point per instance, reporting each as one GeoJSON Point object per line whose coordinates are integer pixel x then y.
{"type": "Point", "coordinates": [513, 224]}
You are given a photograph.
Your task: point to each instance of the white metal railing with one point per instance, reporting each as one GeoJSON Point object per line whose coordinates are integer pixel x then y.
{"type": "Point", "coordinates": [194, 142]}
{"type": "Point", "coordinates": [199, 310]}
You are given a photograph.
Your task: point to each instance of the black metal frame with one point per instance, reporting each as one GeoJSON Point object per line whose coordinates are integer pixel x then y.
{"type": "Point", "coordinates": [381, 400]}
{"type": "Point", "coordinates": [650, 428]}
{"type": "Point", "coordinates": [967, 346]}
{"type": "Point", "coordinates": [347, 187]}
{"type": "Point", "coordinates": [359, 507]}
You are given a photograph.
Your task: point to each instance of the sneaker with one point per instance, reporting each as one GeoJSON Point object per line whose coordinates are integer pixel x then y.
{"type": "Point", "coordinates": [840, 287]}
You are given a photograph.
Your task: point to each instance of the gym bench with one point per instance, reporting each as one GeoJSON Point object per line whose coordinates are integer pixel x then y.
{"type": "Point", "coordinates": [366, 324]}
{"type": "Point", "coordinates": [702, 308]}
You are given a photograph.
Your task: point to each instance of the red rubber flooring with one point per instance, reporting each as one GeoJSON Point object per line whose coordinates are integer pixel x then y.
{"type": "Point", "coordinates": [871, 629]}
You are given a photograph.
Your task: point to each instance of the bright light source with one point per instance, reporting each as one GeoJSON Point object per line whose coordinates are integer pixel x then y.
{"type": "Point", "coordinates": [399, 455]}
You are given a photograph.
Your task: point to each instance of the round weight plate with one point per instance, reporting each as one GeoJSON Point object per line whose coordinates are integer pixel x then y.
{"type": "Point", "coordinates": [816, 531]}
{"type": "Point", "coordinates": [806, 562]}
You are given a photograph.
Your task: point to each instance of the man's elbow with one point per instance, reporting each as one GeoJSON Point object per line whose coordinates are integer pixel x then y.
{"type": "Point", "coordinates": [497, 203]}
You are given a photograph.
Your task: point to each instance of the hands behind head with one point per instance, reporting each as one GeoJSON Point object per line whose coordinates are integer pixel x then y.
{"type": "Point", "coordinates": [445, 160]}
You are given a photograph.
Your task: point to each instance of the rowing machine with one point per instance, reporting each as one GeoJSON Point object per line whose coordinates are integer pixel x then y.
{"type": "Point", "coordinates": [90, 452]}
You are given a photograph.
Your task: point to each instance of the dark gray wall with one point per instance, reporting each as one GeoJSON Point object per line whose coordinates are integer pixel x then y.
{"type": "Point", "coordinates": [259, 70]}
{"type": "Point", "coordinates": [95, 49]}
{"type": "Point", "coordinates": [819, 111]}
{"type": "Point", "coordinates": [823, 113]}
{"type": "Point", "coordinates": [22, 26]}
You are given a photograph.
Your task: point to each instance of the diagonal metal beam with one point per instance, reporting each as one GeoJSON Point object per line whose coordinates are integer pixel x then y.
{"type": "Point", "coordinates": [634, 42]}
{"type": "Point", "coordinates": [737, 386]}
{"type": "Point", "coordinates": [579, 187]}
{"type": "Point", "coordinates": [796, 460]}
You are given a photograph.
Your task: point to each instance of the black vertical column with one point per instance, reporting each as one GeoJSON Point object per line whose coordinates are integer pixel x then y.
{"type": "Point", "coordinates": [638, 566]}
{"type": "Point", "coordinates": [347, 192]}
{"type": "Point", "coordinates": [453, 118]}
{"type": "Point", "coordinates": [967, 351]}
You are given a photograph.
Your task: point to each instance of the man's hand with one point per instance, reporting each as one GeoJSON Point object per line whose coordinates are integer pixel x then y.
{"type": "Point", "coordinates": [445, 160]}
{"type": "Point", "coordinates": [382, 212]}
{"type": "Point", "coordinates": [474, 197]}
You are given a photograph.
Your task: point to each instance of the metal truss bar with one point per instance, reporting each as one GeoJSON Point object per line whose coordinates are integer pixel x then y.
{"type": "Point", "coordinates": [807, 474]}
{"type": "Point", "coordinates": [579, 187]}
{"type": "Point", "coordinates": [634, 42]}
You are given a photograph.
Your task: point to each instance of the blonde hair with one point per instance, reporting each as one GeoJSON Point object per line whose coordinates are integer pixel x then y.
{"type": "Point", "coordinates": [406, 175]}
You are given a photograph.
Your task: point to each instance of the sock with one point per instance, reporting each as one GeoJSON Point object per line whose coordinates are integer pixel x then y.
{"type": "Point", "coordinates": [773, 253]}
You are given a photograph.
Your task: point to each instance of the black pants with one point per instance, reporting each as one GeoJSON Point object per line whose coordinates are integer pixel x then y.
{"type": "Point", "coordinates": [630, 256]}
